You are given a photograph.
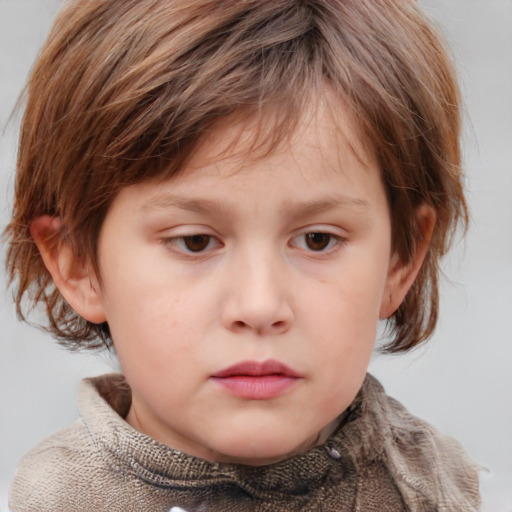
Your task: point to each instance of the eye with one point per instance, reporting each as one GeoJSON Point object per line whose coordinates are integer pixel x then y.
{"type": "Point", "coordinates": [196, 243]}
{"type": "Point", "coordinates": [193, 243]}
{"type": "Point", "coordinates": [316, 241]}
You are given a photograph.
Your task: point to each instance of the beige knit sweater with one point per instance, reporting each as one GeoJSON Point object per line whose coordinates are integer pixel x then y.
{"type": "Point", "coordinates": [380, 459]}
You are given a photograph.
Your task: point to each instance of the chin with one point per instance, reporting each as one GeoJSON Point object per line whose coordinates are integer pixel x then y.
{"type": "Point", "coordinates": [262, 448]}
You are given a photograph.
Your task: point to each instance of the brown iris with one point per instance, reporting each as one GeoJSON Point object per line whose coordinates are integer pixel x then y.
{"type": "Point", "coordinates": [317, 241]}
{"type": "Point", "coordinates": [196, 243]}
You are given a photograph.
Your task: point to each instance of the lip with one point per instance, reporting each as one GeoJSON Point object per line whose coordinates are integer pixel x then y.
{"type": "Point", "coordinates": [253, 380]}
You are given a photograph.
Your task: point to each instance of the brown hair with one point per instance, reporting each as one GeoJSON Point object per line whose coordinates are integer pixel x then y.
{"type": "Point", "coordinates": [123, 91]}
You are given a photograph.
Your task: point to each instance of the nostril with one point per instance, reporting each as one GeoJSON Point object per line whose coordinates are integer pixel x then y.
{"type": "Point", "coordinates": [276, 326]}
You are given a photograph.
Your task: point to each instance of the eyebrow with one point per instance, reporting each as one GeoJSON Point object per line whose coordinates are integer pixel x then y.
{"type": "Point", "coordinates": [331, 203]}
{"type": "Point", "coordinates": [170, 202]}
{"type": "Point", "coordinates": [203, 206]}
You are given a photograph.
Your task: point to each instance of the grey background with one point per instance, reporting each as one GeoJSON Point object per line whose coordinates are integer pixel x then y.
{"type": "Point", "coordinates": [461, 382]}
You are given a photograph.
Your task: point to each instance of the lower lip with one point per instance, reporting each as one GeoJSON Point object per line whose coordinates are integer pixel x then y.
{"type": "Point", "coordinates": [262, 387]}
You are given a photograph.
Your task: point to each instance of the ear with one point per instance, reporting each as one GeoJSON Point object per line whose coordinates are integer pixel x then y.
{"type": "Point", "coordinates": [402, 275]}
{"type": "Point", "coordinates": [75, 280]}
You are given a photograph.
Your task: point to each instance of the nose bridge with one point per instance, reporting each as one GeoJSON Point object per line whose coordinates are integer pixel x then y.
{"type": "Point", "coordinates": [258, 293]}
{"type": "Point", "coordinates": [260, 274]}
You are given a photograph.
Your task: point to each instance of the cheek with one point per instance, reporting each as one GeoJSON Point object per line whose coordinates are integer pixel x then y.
{"type": "Point", "coordinates": [153, 325]}
{"type": "Point", "coordinates": [141, 295]}
{"type": "Point", "coordinates": [349, 306]}
{"type": "Point", "coordinates": [342, 314]}
{"type": "Point", "coordinates": [158, 329]}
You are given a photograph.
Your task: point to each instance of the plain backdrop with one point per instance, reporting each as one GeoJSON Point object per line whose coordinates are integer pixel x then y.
{"type": "Point", "coordinates": [461, 382]}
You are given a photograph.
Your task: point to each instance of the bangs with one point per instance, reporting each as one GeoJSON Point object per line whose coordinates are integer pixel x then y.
{"type": "Point", "coordinates": [126, 91]}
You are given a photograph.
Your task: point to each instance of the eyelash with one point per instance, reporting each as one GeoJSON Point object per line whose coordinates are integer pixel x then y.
{"type": "Point", "coordinates": [309, 237]}
{"type": "Point", "coordinates": [180, 243]}
{"type": "Point", "coordinates": [184, 244]}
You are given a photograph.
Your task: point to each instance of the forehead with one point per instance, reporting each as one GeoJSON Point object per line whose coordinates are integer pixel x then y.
{"type": "Point", "coordinates": [321, 163]}
{"type": "Point", "coordinates": [325, 127]}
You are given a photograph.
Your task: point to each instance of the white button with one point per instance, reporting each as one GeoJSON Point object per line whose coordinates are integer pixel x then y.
{"type": "Point", "coordinates": [333, 453]}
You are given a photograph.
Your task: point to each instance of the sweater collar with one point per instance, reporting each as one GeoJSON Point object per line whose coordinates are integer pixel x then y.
{"type": "Point", "coordinates": [430, 471]}
{"type": "Point", "coordinates": [105, 400]}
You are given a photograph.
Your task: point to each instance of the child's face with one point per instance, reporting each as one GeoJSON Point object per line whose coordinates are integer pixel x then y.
{"type": "Point", "coordinates": [243, 296]}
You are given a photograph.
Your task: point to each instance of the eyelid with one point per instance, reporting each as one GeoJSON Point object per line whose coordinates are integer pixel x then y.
{"type": "Point", "coordinates": [328, 229]}
{"type": "Point", "coordinates": [174, 240]}
{"type": "Point", "coordinates": [177, 245]}
{"type": "Point", "coordinates": [337, 234]}
{"type": "Point", "coordinates": [335, 240]}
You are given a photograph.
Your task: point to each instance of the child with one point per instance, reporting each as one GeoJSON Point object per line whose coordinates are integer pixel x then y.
{"type": "Point", "coordinates": [230, 195]}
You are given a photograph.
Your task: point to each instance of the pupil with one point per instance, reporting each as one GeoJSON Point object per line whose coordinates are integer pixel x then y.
{"type": "Point", "coordinates": [317, 241]}
{"type": "Point", "coordinates": [196, 243]}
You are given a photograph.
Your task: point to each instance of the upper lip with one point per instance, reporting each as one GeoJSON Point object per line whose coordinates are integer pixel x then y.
{"type": "Point", "coordinates": [257, 369]}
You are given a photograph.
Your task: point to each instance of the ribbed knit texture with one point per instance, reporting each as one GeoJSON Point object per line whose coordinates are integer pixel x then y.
{"type": "Point", "coordinates": [380, 459]}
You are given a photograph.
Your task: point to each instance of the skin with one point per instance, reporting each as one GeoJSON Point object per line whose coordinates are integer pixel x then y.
{"type": "Point", "coordinates": [252, 285]}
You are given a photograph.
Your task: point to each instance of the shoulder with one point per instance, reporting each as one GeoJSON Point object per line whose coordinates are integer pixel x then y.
{"type": "Point", "coordinates": [56, 474]}
{"type": "Point", "coordinates": [429, 468]}
{"type": "Point", "coordinates": [73, 470]}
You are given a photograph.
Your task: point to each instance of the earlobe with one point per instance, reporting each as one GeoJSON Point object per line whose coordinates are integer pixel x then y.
{"type": "Point", "coordinates": [402, 275]}
{"type": "Point", "coordinates": [76, 281]}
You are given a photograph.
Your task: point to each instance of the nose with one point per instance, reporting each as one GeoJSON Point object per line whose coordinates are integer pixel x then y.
{"type": "Point", "coordinates": [257, 298]}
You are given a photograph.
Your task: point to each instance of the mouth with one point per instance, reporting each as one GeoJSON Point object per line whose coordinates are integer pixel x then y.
{"type": "Point", "coordinates": [252, 380]}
